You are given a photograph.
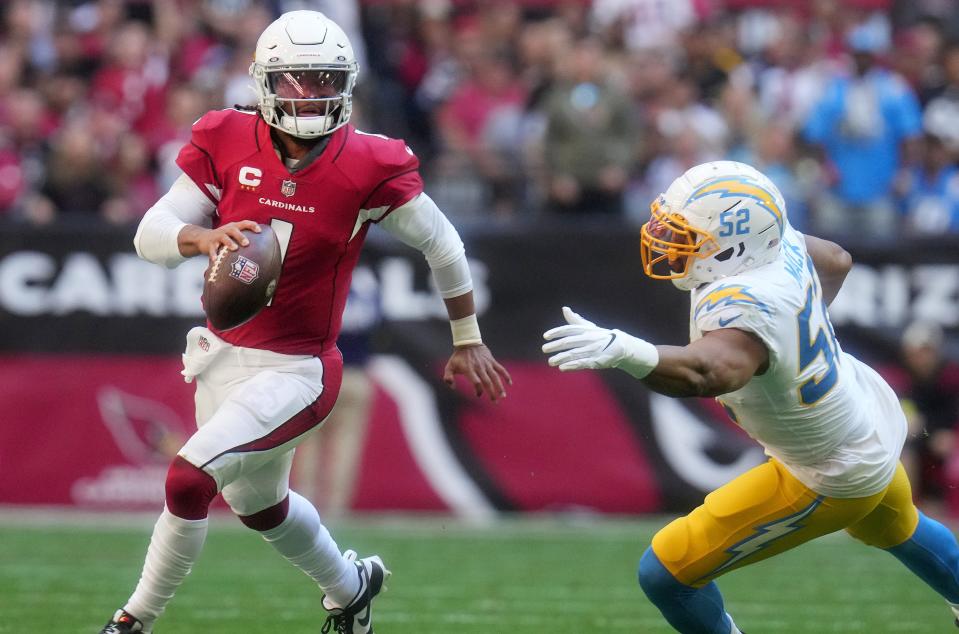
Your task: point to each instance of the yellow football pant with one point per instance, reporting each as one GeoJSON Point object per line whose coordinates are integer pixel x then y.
{"type": "Point", "coordinates": [767, 511]}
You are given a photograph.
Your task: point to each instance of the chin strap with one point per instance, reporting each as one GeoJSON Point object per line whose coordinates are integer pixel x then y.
{"type": "Point", "coordinates": [307, 127]}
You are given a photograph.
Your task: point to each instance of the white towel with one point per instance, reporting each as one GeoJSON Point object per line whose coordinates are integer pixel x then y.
{"type": "Point", "coordinates": [202, 348]}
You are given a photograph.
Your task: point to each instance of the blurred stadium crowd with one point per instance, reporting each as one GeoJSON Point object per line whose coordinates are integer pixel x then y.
{"type": "Point", "coordinates": [516, 108]}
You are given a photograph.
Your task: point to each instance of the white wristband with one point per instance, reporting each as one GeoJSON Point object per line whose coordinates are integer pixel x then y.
{"type": "Point", "coordinates": [640, 358]}
{"type": "Point", "coordinates": [466, 331]}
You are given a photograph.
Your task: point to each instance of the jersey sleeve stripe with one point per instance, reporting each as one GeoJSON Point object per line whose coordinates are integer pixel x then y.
{"type": "Point", "coordinates": [212, 166]}
{"type": "Point", "coordinates": [385, 181]}
{"type": "Point", "coordinates": [392, 209]}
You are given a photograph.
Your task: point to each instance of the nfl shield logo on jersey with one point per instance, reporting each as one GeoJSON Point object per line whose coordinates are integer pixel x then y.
{"type": "Point", "coordinates": [244, 270]}
{"type": "Point", "coordinates": [288, 188]}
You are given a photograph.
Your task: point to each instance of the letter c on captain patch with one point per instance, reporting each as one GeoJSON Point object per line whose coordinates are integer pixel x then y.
{"type": "Point", "coordinates": [250, 176]}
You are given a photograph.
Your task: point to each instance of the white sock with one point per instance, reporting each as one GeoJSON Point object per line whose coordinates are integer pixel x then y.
{"type": "Point", "coordinates": [175, 545]}
{"type": "Point", "coordinates": [955, 608]}
{"type": "Point", "coordinates": [306, 544]}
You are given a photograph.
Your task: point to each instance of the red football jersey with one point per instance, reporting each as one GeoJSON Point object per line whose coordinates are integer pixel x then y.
{"type": "Point", "coordinates": [320, 215]}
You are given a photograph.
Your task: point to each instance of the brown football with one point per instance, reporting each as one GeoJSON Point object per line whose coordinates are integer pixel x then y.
{"type": "Point", "coordinates": [238, 284]}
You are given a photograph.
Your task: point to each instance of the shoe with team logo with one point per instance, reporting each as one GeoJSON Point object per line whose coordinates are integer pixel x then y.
{"type": "Point", "coordinates": [356, 617]}
{"type": "Point", "coordinates": [122, 623]}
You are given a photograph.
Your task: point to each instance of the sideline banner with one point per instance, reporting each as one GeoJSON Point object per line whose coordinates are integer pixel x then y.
{"type": "Point", "coordinates": [92, 403]}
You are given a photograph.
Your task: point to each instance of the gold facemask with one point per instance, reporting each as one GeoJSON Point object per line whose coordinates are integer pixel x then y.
{"type": "Point", "coordinates": [668, 238]}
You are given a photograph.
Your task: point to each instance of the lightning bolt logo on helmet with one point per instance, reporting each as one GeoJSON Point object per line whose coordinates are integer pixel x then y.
{"type": "Point", "coordinates": [741, 188]}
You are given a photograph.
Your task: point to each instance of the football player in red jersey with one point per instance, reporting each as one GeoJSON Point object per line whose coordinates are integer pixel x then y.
{"type": "Point", "coordinates": [296, 164]}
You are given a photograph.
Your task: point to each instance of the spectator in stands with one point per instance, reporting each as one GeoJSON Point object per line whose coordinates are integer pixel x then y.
{"type": "Point", "coordinates": [791, 83]}
{"type": "Point", "coordinates": [928, 385]}
{"type": "Point", "coordinates": [863, 123]}
{"type": "Point", "coordinates": [11, 182]}
{"type": "Point", "coordinates": [25, 126]}
{"type": "Point", "coordinates": [918, 58]}
{"type": "Point", "coordinates": [27, 121]}
{"type": "Point", "coordinates": [541, 46]}
{"type": "Point", "coordinates": [942, 112]}
{"type": "Point", "coordinates": [132, 84]}
{"type": "Point", "coordinates": [490, 93]}
{"type": "Point", "coordinates": [678, 150]}
{"type": "Point", "coordinates": [75, 181]}
{"type": "Point", "coordinates": [133, 188]}
{"type": "Point", "coordinates": [772, 151]}
{"type": "Point", "coordinates": [184, 105]}
{"type": "Point", "coordinates": [11, 68]}
{"type": "Point", "coordinates": [65, 96]}
{"type": "Point", "coordinates": [643, 24]}
{"type": "Point", "coordinates": [689, 64]}
{"type": "Point", "coordinates": [591, 136]}
{"type": "Point", "coordinates": [710, 59]}
{"type": "Point", "coordinates": [740, 111]}
{"type": "Point", "coordinates": [929, 191]}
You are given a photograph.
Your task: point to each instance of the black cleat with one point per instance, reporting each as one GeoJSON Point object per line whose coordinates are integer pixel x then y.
{"type": "Point", "coordinates": [122, 623]}
{"type": "Point", "coordinates": [356, 617]}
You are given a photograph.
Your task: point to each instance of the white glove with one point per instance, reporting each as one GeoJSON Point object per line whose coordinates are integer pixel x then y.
{"type": "Point", "coordinates": [582, 345]}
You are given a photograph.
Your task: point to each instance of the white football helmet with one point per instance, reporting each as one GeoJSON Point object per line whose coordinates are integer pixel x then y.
{"type": "Point", "coordinates": [716, 220]}
{"type": "Point", "coordinates": [304, 71]}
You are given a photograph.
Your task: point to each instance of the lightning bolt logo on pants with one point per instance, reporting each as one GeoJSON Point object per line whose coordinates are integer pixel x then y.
{"type": "Point", "coordinates": [764, 535]}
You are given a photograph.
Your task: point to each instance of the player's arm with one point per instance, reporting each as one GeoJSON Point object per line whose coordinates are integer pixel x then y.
{"type": "Point", "coordinates": [420, 224]}
{"type": "Point", "coordinates": [177, 227]}
{"type": "Point", "coordinates": [722, 361]}
{"type": "Point", "coordinates": [832, 263]}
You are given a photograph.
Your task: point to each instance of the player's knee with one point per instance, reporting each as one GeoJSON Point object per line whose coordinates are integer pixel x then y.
{"type": "Point", "coordinates": [269, 518]}
{"type": "Point", "coordinates": [189, 490]}
{"type": "Point", "coordinates": [886, 528]}
{"type": "Point", "coordinates": [655, 580]}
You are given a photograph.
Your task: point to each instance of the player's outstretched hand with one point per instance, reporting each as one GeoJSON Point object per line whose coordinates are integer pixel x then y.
{"type": "Point", "coordinates": [477, 364]}
{"type": "Point", "coordinates": [582, 345]}
{"type": "Point", "coordinates": [194, 240]}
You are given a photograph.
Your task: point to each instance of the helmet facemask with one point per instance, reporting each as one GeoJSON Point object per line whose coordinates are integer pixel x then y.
{"type": "Point", "coordinates": [306, 101]}
{"type": "Point", "coordinates": [669, 245]}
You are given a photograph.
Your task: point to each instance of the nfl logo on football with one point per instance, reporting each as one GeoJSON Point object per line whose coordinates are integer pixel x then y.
{"type": "Point", "coordinates": [288, 188]}
{"type": "Point", "coordinates": [244, 270]}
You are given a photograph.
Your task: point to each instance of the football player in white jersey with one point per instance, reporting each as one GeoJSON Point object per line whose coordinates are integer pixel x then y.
{"type": "Point", "coordinates": [761, 342]}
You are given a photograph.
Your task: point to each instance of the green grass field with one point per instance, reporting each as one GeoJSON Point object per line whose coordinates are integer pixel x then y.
{"type": "Point", "coordinates": [518, 577]}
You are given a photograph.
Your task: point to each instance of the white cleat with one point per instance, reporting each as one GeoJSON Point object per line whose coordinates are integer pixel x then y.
{"type": "Point", "coordinates": [356, 617]}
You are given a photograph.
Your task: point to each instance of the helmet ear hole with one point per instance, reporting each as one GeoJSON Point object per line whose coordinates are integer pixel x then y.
{"type": "Point", "coordinates": [724, 255]}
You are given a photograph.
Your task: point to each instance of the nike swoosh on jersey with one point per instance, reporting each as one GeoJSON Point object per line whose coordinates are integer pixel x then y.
{"type": "Point", "coordinates": [725, 322]}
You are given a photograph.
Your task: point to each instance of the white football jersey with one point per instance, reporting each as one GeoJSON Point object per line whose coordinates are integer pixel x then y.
{"type": "Point", "coordinates": [829, 418]}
